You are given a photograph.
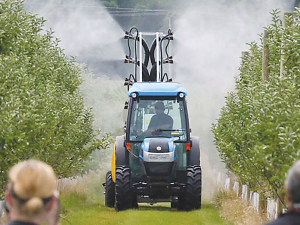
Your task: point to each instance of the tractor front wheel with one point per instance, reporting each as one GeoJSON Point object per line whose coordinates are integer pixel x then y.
{"type": "Point", "coordinates": [124, 194]}
{"type": "Point", "coordinates": [109, 191]}
{"type": "Point", "coordinates": [192, 196]}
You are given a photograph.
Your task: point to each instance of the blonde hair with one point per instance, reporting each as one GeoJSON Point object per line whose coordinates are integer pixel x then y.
{"type": "Point", "coordinates": [32, 182]}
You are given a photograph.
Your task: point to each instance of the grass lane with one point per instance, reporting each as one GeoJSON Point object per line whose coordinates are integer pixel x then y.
{"type": "Point", "coordinates": [78, 210]}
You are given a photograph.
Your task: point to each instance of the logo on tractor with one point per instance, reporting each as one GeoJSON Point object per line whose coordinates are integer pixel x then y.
{"type": "Point", "coordinates": [158, 148]}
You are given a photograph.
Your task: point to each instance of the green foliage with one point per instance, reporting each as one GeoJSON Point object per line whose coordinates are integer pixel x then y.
{"type": "Point", "coordinates": [42, 111]}
{"type": "Point", "coordinates": [258, 132]}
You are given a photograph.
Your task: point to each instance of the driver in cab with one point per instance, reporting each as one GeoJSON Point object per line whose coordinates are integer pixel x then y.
{"type": "Point", "coordinates": [160, 121]}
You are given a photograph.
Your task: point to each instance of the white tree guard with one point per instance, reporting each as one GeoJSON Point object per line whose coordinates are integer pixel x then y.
{"type": "Point", "coordinates": [227, 184]}
{"type": "Point", "coordinates": [251, 196]}
{"type": "Point", "coordinates": [254, 200]}
{"type": "Point", "coordinates": [1, 208]}
{"type": "Point", "coordinates": [236, 188]}
{"type": "Point", "coordinates": [272, 209]}
{"type": "Point", "coordinates": [256, 203]}
{"type": "Point", "coordinates": [244, 192]}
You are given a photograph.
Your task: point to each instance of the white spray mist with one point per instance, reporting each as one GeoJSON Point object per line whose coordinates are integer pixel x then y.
{"type": "Point", "coordinates": [85, 28]}
{"type": "Point", "coordinates": [211, 36]}
{"type": "Point", "coordinates": [88, 32]}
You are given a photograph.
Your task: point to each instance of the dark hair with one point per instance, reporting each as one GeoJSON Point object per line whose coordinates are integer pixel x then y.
{"type": "Point", "coordinates": [293, 183]}
{"type": "Point", "coordinates": [160, 105]}
{"type": "Point", "coordinates": [6, 207]}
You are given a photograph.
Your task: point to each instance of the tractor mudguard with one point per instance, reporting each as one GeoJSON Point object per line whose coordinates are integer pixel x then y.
{"type": "Point", "coordinates": [194, 153]}
{"type": "Point", "coordinates": [120, 156]}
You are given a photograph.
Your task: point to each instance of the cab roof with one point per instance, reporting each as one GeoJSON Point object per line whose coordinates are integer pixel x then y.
{"type": "Point", "coordinates": [157, 89]}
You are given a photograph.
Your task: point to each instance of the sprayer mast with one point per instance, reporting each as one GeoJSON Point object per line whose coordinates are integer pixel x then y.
{"type": "Point", "coordinates": [142, 53]}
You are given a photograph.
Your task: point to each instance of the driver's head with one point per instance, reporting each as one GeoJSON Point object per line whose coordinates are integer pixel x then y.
{"type": "Point", "coordinates": [159, 108]}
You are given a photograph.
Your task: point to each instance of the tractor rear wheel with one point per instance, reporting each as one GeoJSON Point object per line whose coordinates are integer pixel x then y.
{"type": "Point", "coordinates": [109, 191]}
{"type": "Point", "coordinates": [192, 197]}
{"type": "Point", "coordinates": [124, 196]}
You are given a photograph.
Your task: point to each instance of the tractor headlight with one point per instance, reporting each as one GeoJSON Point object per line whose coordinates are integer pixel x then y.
{"type": "Point", "coordinates": [181, 95]}
{"type": "Point", "coordinates": [134, 95]}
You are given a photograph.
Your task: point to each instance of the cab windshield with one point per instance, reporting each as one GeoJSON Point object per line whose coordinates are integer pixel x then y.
{"type": "Point", "coordinates": [157, 118]}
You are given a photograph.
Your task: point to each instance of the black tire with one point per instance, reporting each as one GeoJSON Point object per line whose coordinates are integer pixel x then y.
{"type": "Point", "coordinates": [109, 191]}
{"type": "Point", "coordinates": [193, 156]}
{"type": "Point", "coordinates": [192, 196]}
{"type": "Point", "coordinates": [124, 196]}
{"type": "Point", "coordinates": [122, 157]}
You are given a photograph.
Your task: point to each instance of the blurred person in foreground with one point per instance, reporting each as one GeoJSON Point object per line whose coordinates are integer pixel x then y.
{"type": "Point", "coordinates": [292, 187]}
{"type": "Point", "coordinates": [31, 196]}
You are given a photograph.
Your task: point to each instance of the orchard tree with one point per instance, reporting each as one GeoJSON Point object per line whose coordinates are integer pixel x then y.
{"type": "Point", "coordinates": [42, 112]}
{"type": "Point", "coordinates": [258, 134]}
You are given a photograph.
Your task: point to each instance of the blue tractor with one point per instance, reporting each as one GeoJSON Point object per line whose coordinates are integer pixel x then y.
{"type": "Point", "coordinates": [157, 159]}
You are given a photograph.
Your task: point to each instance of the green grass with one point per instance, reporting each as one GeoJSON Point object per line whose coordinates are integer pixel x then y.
{"type": "Point", "coordinates": [78, 210]}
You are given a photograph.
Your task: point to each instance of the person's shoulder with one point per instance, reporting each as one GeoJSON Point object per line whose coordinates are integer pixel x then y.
{"type": "Point", "coordinates": [154, 116]}
{"type": "Point", "coordinates": [278, 221]}
{"type": "Point", "coordinates": [167, 116]}
{"type": "Point", "coordinates": [288, 218]}
{"type": "Point", "coordinates": [19, 223]}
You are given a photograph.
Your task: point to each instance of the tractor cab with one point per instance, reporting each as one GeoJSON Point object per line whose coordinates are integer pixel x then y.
{"type": "Point", "coordinates": [154, 112]}
{"type": "Point", "coordinates": [157, 123]}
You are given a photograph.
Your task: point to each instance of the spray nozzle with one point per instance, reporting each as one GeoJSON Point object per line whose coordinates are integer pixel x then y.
{"type": "Point", "coordinates": [128, 35]}
{"type": "Point", "coordinates": [168, 60]}
{"type": "Point", "coordinates": [129, 59]}
{"type": "Point", "coordinates": [169, 36]}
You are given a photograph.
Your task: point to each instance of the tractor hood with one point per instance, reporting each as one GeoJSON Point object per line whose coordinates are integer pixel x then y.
{"type": "Point", "coordinates": [158, 150]}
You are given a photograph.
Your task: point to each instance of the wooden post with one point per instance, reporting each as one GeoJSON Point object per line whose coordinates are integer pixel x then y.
{"type": "Point", "coordinates": [265, 58]}
{"type": "Point", "coordinates": [281, 203]}
{"type": "Point", "coordinates": [282, 54]}
{"type": "Point", "coordinates": [263, 203]}
{"type": "Point", "coordinates": [248, 193]}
